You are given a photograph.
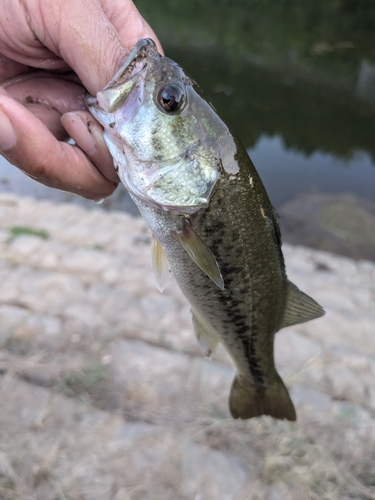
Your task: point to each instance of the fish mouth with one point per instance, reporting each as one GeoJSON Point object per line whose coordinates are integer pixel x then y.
{"type": "Point", "coordinates": [137, 60]}
{"type": "Point", "coordinates": [119, 87]}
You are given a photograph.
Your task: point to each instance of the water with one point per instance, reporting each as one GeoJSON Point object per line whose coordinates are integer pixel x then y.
{"type": "Point", "coordinates": [288, 173]}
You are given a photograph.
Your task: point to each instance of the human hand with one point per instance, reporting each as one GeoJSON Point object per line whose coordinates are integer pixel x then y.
{"type": "Point", "coordinates": [50, 52]}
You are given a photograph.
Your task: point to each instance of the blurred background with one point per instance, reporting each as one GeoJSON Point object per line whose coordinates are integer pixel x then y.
{"type": "Point", "coordinates": [295, 80]}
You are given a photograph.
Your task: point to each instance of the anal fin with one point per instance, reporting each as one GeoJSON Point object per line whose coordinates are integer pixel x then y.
{"type": "Point", "coordinates": [299, 307]}
{"type": "Point", "coordinates": [201, 255]}
{"type": "Point", "coordinates": [206, 337]}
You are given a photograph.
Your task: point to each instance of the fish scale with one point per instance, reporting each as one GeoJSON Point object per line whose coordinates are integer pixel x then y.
{"type": "Point", "coordinates": [210, 215]}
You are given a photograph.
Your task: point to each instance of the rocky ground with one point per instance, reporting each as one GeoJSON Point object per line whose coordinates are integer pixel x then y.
{"type": "Point", "coordinates": [106, 396]}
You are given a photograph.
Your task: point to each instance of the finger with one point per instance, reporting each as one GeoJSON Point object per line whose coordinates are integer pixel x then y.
{"type": "Point", "coordinates": [76, 34]}
{"type": "Point", "coordinates": [9, 68]}
{"type": "Point", "coordinates": [88, 135]}
{"type": "Point", "coordinates": [128, 23]}
{"type": "Point", "coordinates": [28, 144]}
{"type": "Point", "coordinates": [47, 97]}
{"type": "Point", "coordinates": [57, 35]}
{"type": "Point", "coordinates": [81, 34]}
{"type": "Point", "coordinates": [49, 115]}
{"type": "Point", "coordinates": [47, 89]}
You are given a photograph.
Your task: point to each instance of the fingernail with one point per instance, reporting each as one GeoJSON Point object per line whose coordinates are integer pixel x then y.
{"type": "Point", "coordinates": [8, 138]}
{"type": "Point", "coordinates": [78, 128]}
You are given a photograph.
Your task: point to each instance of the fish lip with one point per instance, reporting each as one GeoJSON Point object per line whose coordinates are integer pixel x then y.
{"type": "Point", "coordinates": [137, 60]}
{"type": "Point", "coordinates": [135, 63]}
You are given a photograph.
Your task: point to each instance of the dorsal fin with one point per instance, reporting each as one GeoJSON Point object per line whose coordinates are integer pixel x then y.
{"type": "Point", "coordinates": [299, 307]}
{"type": "Point", "coordinates": [201, 255]}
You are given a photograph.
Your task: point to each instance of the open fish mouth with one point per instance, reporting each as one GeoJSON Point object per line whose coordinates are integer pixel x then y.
{"type": "Point", "coordinates": [113, 95]}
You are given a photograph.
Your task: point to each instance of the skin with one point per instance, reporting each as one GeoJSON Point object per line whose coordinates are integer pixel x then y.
{"type": "Point", "coordinates": [51, 51]}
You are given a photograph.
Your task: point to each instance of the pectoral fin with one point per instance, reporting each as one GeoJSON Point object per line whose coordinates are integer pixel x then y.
{"type": "Point", "coordinates": [160, 264]}
{"type": "Point", "coordinates": [299, 307]}
{"type": "Point", "coordinates": [206, 337]}
{"type": "Point", "coordinates": [201, 255]}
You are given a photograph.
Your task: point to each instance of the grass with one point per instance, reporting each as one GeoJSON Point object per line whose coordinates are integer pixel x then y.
{"type": "Point", "coordinates": [96, 247]}
{"type": "Point", "coordinates": [90, 383]}
{"type": "Point", "coordinates": [16, 231]}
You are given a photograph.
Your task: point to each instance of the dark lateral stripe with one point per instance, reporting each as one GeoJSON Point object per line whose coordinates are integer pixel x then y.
{"type": "Point", "coordinates": [256, 372]}
{"type": "Point", "coordinates": [249, 340]}
{"type": "Point", "coordinates": [237, 324]}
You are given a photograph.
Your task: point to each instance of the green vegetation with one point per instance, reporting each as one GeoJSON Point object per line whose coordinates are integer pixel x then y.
{"type": "Point", "coordinates": [92, 382]}
{"type": "Point", "coordinates": [327, 36]}
{"type": "Point", "coordinates": [96, 246]}
{"type": "Point", "coordinates": [21, 230]}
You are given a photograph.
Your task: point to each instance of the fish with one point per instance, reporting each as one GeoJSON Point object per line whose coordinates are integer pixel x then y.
{"type": "Point", "coordinates": [212, 222]}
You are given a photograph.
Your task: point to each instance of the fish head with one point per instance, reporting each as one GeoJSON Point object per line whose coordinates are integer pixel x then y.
{"type": "Point", "coordinates": [162, 133]}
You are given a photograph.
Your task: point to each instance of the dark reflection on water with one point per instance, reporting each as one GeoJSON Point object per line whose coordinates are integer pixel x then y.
{"type": "Point", "coordinates": [257, 102]}
{"type": "Point", "coordinates": [325, 40]}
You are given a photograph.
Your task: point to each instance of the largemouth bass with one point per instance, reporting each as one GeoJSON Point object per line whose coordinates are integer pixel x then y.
{"type": "Point", "coordinates": [212, 221]}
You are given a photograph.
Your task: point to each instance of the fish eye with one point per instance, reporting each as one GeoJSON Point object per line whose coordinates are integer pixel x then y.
{"type": "Point", "coordinates": [171, 98]}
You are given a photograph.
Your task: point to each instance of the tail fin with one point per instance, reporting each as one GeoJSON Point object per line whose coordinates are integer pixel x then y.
{"type": "Point", "coordinates": [247, 401]}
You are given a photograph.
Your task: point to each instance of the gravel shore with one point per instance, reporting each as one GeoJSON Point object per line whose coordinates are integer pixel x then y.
{"type": "Point", "coordinates": [105, 394]}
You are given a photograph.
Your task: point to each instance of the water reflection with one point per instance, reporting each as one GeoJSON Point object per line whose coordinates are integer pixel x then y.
{"type": "Point", "coordinates": [325, 41]}
{"type": "Point", "coordinates": [287, 173]}
{"type": "Point", "coordinates": [365, 87]}
{"type": "Point", "coordinates": [257, 102]}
